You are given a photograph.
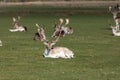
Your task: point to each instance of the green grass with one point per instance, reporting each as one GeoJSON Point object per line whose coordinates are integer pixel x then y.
{"type": "Point", "coordinates": [97, 51]}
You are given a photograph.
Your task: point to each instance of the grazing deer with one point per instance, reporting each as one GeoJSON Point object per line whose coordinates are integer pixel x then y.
{"type": "Point", "coordinates": [61, 29]}
{"type": "Point", "coordinates": [115, 31]}
{"type": "Point", "coordinates": [0, 43]}
{"type": "Point", "coordinates": [40, 35]}
{"type": "Point", "coordinates": [17, 27]}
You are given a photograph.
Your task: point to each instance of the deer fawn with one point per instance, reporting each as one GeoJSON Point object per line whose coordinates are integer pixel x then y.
{"type": "Point", "coordinates": [17, 27]}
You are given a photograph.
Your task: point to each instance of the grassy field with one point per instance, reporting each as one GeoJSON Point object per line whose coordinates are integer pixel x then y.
{"type": "Point", "coordinates": [97, 51]}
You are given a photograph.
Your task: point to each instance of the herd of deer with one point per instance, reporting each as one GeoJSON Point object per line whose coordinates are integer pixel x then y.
{"type": "Point", "coordinates": [115, 10]}
{"type": "Point", "coordinates": [60, 30]}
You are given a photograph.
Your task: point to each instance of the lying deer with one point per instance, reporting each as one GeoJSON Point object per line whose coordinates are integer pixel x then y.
{"type": "Point", "coordinates": [17, 27]}
{"type": "Point", "coordinates": [56, 52]}
{"type": "Point", "coordinates": [40, 35]}
{"type": "Point", "coordinates": [61, 29]}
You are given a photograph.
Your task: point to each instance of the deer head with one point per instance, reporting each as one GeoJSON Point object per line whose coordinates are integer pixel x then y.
{"type": "Point", "coordinates": [67, 21]}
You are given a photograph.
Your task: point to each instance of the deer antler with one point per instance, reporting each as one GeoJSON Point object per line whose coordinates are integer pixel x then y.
{"type": "Point", "coordinates": [67, 21]}
{"type": "Point", "coordinates": [61, 21]}
{"type": "Point", "coordinates": [14, 19]}
{"type": "Point", "coordinates": [37, 25]}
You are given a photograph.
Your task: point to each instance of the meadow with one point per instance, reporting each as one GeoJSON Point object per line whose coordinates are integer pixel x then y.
{"type": "Point", "coordinates": [97, 51]}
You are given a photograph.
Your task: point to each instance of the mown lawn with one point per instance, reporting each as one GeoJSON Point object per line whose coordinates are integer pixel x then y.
{"type": "Point", "coordinates": [97, 51]}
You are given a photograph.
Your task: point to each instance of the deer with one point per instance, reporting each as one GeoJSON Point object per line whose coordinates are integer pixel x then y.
{"type": "Point", "coordinates": [56, 52]}
{"type": "Point", "coordinates": [63, 29]}
{"type": "Point", "coordinates": [115, 31]}
{"type": "Point", "coordinates": [40, 35]}
{"type": "Point", "coordinates": [0, 43]}
{"type": "Point", "coordinates": [17, 27]}
{"type": "Point", "coordinates": [115, 17]}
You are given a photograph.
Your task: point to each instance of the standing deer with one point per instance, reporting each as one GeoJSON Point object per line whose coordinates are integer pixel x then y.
{"type": "Point", "coordinates": [56, 52]}
{"type": "Point", "coordinates": [17, 27]}
{"type": "Point", "coordinates": [40, 35]}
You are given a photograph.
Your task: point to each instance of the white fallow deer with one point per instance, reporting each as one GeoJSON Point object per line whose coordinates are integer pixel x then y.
{"type": "Point", "coordinates": [0, 43]}
{"type": "Point", "coordinates": [56, 52]}
{"type": "Point", "coordinates": [40, 35]}
{"type": "Point", "coordinates": [115, 17]}
{"type": "Point", "coordinates": [115, 31]}
{"type": "Point", "coordinates": [16, 27]}
{"type": "Point", "coordinates": [61, 29]}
